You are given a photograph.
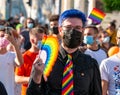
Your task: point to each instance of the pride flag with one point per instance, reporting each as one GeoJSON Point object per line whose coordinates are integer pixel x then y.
{"type": "Point", "coordinates": [97, 16]}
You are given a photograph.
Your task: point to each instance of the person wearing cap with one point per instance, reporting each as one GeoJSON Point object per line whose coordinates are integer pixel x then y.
{"type": "Point", "coordinates": [85, 73]}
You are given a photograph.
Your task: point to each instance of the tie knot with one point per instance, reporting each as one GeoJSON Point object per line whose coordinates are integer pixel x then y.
{"type": "Point", "coordinates": [69, 56]}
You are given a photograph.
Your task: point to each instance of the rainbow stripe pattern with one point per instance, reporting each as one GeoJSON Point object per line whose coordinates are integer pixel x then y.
{"type": "Point", "coordinates": [97, 15]}
{"type": "Point", "coordinates": [67, 82]}
{"type": "Point", "coordinates": [50, 45]}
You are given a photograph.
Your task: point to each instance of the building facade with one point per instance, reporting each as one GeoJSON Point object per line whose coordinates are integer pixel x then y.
{"type": "Point", "coordinates": [46, 7]}
{"type": "Point", "coordinates": [42, 9]}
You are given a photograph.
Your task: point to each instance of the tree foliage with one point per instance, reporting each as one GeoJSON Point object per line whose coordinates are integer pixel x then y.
{"type": "Point", "coordinates": [111, 5]}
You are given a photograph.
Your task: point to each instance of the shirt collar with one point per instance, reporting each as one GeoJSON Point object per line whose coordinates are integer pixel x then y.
{"type": "Point", "coordinates": [64, 53]}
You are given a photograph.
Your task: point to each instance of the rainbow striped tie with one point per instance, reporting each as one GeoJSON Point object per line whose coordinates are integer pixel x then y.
{"type": "Point", "coordinates": [67, 82]}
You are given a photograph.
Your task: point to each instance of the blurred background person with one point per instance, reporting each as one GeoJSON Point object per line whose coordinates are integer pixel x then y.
{"type": "Point", "coordinates": [8, 59]}
{"type": "Point", "coordinates": [22, 19]}
{"type": "Point", "coordinates": [91, 40]}
{"type": "Point", "coordinates": [104, 41]}
{"type": "Point", "coordinates": [28, 25]}
{"type": "Point", "coordinates": [23, 73]}
{"type": "Point", "coordinates": [53, 20]}
{"type": "Point", "coordinates": [110, 72]}
{"type": "Point", "coordinates": [112, 31]}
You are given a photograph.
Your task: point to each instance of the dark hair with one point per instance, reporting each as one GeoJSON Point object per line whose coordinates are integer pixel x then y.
{"type": "Point", "coordinates": [2, 22]}
{"type": "Point", "coordinates": [25, 23]}
{"type": "Point", "coordinates": [103, 32]}
{"type": "Point", "coordinates": [93, 27]}
{"type": "Point", "coordinates": [54, 18]}
{"type": "Point", "coordinates": [112, 24]}
{"type": "Point", "coordinates": [10, 19]}
{"type": "Point", "coordinates": [72, 13]}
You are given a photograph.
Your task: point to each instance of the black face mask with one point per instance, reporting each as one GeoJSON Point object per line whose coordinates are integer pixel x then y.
{"type": "Point", "coordinates": [55, 30]}
{"type": "Point", "coordinates": [72, 38]}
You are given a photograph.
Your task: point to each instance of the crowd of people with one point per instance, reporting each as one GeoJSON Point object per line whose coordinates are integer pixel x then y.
{"type": "Point", "coordinates": [90, 71]}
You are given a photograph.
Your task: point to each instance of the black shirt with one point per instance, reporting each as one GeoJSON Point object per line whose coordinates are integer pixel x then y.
{"type": "Point", "coordinates": [27, 44]}
{"type": "Point", "coordinates": [86, 76]}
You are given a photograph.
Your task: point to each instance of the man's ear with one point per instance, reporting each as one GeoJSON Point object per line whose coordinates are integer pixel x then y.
{"type": "Point", "coordinates": [60, 31]}
{"type": "Point", "coordinates": [32, 40]}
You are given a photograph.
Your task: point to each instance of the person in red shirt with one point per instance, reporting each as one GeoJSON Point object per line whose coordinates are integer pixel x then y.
{"type": "Point", "coordinates": [23, 72]}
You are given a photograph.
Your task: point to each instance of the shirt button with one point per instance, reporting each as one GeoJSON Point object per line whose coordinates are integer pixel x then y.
{"type": "Point", "coordinates": [82, 74]}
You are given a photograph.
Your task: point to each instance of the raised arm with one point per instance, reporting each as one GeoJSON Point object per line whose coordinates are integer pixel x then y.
{"type": "Point", "coordinates": [18, 59]}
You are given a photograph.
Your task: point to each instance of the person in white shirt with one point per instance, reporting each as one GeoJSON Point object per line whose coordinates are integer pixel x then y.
{"type": "Point", "coordinates": [22, 19]}
{"type": "Point", "coordinates": [110, 73]}
{"type": "Point", "coordinates": [93, 48]}
{"type": "Point", "coordinates": [8, 60]}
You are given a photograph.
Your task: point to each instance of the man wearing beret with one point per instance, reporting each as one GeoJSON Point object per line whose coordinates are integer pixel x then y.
{"type": "Point", "coordinates": [74, 73]}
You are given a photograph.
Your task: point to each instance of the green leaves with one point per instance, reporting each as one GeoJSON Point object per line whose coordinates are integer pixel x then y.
{"type": "Point", "coordinates": [111, 5]}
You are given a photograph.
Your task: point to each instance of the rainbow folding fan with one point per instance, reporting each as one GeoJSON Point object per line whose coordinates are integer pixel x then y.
{"type": "Point", "coordinates": [49, 53]}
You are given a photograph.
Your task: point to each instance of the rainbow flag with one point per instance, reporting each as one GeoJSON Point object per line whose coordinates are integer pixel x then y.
{"type": "Point", "coordinates": [97, 16]}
